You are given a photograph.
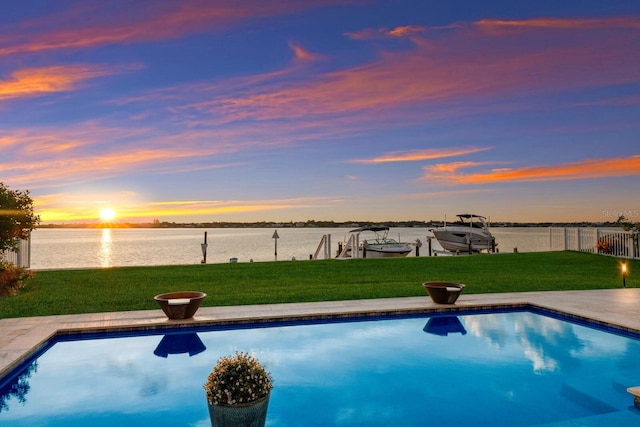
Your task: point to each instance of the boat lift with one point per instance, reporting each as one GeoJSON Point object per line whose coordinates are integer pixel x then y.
{"type": "Point", "coordinates": [325, 245]}
{"type": "Point", "coordinates": [351, 249]}
{"type": "Point", "coordinates": [352, 245]}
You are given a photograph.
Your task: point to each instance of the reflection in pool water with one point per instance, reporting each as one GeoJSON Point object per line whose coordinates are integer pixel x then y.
{"type": "Point", "coordinates": [515, 368]}
{"type": "Point", "coordinates": [444, 325]}
{"type": "Point", "coordinates": [180, 343]}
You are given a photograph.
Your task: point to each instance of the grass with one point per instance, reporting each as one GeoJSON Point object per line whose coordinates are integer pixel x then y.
{"type": "Point", "coordinates": [133, 288]}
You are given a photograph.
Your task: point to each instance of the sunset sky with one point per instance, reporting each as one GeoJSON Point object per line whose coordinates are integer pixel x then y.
{"type": "Point", "coordinates": [293, 110]}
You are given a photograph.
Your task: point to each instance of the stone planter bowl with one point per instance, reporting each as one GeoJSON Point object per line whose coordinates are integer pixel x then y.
{"type": "Point", "coordinates": [180, 305]}
{"type": "Point", "coordinates": [443, 292]}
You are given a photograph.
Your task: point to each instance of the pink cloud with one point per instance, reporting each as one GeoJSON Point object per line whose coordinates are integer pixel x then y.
{"type": "Point", "coordinates": [465, 65]}
{"type": "Point", "coordinates": [304, 54]}
{"type": "Point", "coordinates": [503, 26]}
{"type": "Point", "coordinates": [143, 22]}
{"type": "Point", "coordinates": [466, 69]}
{"type": "Point", "coordinates": [50, 156]}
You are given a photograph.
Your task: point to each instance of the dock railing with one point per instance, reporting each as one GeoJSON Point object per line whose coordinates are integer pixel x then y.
{"type": "Point", "coordinates": [596, 241]}
{"type": "Point", "coordinates": [21, 257]}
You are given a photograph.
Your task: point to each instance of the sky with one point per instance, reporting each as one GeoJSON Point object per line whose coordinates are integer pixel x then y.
{"type": "Point", "coordinates": [296, 110]}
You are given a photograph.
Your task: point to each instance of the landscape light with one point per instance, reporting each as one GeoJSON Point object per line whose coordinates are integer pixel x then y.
{"type": "Point", "coordinates": [624, 274]}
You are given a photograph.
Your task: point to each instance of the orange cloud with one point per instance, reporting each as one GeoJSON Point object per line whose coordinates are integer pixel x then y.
{"type": "Point", "coordinates": [80, 168]}
{"type": "Point", "coordinates": [380, 33]}
{"type": "Point", "coordinates": [586, 169]}
{"type": "Point", "coordinates": [451, 168]}
{"type": "Point", "coordinates": [185, 208]}
{"type": "Point", "coordinates": [38, 81]}
{"type": "Point", "coordinates": [429, 154]}
{"type": "Point", "coordinates": [48, 157]}
{"type": "Point", "coordinates": [406, 31]}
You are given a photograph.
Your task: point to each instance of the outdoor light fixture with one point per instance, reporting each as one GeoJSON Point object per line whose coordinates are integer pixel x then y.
{"type": "Point", "coordinates": [624, 274]}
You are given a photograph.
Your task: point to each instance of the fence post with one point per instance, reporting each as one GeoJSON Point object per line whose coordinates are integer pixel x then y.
{"type": "Point", "coordinates": [579, 239]}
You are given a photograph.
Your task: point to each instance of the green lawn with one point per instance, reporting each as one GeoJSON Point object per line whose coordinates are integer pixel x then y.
{"type": "Point", "coordinates": [133, 288]}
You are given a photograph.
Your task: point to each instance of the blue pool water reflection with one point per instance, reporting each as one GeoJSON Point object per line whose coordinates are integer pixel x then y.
{"type": "Point", "coordinates": [510, 368]}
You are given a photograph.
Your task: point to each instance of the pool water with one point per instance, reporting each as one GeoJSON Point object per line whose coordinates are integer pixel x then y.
{"type": "Point", "coordinates": [518, 368]}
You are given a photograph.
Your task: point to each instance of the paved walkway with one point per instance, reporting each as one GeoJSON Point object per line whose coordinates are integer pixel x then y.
{"type": "Point", "coordinates": [21, 337]}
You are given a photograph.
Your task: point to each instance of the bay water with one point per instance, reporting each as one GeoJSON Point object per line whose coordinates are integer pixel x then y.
{"type": "Point", "coordinates": [54, 248]}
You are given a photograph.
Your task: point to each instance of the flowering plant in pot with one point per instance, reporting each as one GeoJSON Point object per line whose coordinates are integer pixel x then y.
{"type": "Point", "coordinates": [238, 391]}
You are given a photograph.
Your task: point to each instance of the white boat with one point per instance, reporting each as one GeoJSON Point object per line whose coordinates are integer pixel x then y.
{"type": "Point", "coordinates": [469, 234]}
{"type": "Point", "coordinates": [379, 246]}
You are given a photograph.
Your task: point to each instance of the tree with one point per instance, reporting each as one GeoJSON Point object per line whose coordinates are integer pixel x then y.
{"type": "Point", "coordinates": [627, 225]}
{"type": "Point", "coordinates": [17, 219]}
{"type": "Point", "coordinates": [634, 228]}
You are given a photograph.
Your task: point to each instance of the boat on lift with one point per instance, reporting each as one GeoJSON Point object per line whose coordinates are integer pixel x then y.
{"type": "Point", "coordinates": [378, 246]}
{"type": "Point", "coordinates": [469, 234]}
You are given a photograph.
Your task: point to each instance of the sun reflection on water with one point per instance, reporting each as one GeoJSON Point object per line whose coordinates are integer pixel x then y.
{"type": "Point", "coordinates": [104, 255]}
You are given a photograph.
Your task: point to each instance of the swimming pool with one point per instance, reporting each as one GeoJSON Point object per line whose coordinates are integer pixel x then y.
{"type": "Point", "coordinates": [516, 368]}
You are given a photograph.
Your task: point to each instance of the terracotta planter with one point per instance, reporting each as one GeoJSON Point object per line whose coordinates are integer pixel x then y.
{"type": "Point", "coordinates": [443, 292]}
{"type": "Point", "coordinates": [180, 305]}
{"type": "Point", "coordinates": [252, 414]}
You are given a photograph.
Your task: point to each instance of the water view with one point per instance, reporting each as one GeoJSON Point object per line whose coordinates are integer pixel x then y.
{"type": "Point", "coordinates": [91, 248]}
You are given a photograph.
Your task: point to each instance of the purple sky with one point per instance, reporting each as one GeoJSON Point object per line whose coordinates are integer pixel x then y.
{"type": "Point", "coordinates": [292, 110]}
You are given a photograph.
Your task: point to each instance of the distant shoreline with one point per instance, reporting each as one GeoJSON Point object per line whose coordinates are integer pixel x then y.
{"type": "Point", "coordinates": [317, 224]}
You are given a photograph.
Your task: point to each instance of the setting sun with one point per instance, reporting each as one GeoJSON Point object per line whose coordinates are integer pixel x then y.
{"type": "Point", "coordinates": [107, 214]}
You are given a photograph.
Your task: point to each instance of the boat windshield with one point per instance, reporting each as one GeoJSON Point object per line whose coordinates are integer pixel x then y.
{"type": "Point", "coordinates": [380, 241]}
{"type": "Point", "coordinates": [474, 221]}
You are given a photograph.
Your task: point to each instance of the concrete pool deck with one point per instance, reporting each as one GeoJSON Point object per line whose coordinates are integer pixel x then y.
{"type": "Point", "coordinates": [21, 337]}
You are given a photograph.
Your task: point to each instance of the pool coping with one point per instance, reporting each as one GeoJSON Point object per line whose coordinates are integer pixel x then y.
{"type": "Point", "coordinates": [20, 338]}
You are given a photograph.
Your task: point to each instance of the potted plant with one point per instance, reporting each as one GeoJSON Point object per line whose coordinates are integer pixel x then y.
{"type": "Point", "coordinates": [238, 391]}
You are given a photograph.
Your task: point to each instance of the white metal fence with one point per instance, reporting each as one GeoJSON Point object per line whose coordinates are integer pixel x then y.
{"type": "Point", "coordinates": [595, 240]}
{"type": "Point", "coordinates": [21, 257]}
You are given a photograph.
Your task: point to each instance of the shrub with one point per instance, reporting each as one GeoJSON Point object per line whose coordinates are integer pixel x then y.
{"type": "Point", "coordinates": [604, 247]}
{"type": "Point", "coordinates": [12, 278]}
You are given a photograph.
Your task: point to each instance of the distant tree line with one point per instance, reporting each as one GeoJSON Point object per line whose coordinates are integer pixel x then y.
{"type": "Point", "coordinates": [317, 224]}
